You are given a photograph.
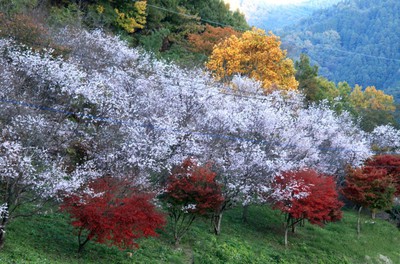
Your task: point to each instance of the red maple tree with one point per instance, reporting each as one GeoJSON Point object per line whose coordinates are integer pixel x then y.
{"type": "Point", "coordinates": [306, 195]}
{"type": "Point", "coordinates": [372, 186]}
{"type": "Point", "coordinates": [112, 213]}
{"type": "Point", "coordinates": [191, 191]}
{"type": "Point", "coordinates": [391, 163]}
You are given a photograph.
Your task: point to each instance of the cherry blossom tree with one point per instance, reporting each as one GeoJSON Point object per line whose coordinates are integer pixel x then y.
{"type": "Point", "coordinates": [29, 176]}
{"type": "Point", "coordinates": [108, 109]}
{"type": "Point", "coordinates": [261, 136]}
{"type": "Point", "coordinates": [385, 138]}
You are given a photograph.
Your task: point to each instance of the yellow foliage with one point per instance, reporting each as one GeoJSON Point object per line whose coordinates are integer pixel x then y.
{"type": "Point", "coordinates": [256, 55]}
{"type": "Point", "coordinates": [371, 98]}
{"type": "Point", "coordinates": [134, 19]}
{"type": "Point", "coordinates": [140, 7]}
{"type": "Point", "coordinates": [100, 9]}
{"type": "Point", "coordinates": [357, 97]}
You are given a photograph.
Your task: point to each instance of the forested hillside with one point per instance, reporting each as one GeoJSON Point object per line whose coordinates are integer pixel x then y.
{"type": "Point", "coordinates": [160, 27]}
{"type": "Point", "coordinates": [169, 23]}
{"type": "Point", "coordinates": [354, 41]}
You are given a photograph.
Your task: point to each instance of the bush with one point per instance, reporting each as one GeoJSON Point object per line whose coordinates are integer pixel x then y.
{"type": "Point", "coordinates": [69, 15]}
{"type": "Point", "coordinates": [191, 192]}
{"type": "Point", "coordinates": [109, 211]}
{"type": "Point", "coordinates": [26, 31]}
{"type": "Point", "coordinates": [12, 7]}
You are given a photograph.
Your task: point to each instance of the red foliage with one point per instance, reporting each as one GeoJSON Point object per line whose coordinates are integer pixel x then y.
{"type": "Point", "coordinates": [193, 188]}
{"type": "Point", "coordinates": [191, 191]}
{"type": "Point", "coordinates": [113, 213]}
{"type": "Point", "coordinates": [308, 195]}
{"type": "Point", "coordinates": [205, 41]}
{"type": "Point", "coordinates": [370, 186]}
{"type": "Point", "coordinates": [391, 163]}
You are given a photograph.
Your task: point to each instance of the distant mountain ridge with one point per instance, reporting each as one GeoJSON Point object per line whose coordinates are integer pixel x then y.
{"type": "Point", "coordinates": [357, 41]}
{"type": "Point", "coordinates": [275, 16]}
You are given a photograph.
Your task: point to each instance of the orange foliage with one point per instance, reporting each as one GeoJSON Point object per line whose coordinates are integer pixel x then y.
{"type": "Point", "coordinates": [204, 42]}
{"type": "Point", "coordinates": [27, 31]}
{"type": "Point", "coordinates": [24, 30]}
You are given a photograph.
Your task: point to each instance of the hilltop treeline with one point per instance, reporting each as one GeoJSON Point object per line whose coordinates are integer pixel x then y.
{"type": "Point", "coordinates": [354, 41]}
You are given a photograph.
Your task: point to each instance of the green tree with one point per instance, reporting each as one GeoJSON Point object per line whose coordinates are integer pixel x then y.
{"type": "Point", "coordinates": [326, 90]}
{"type": "Point", "coordinates": [306, 75]}
{"type": "Point", "coordinates": [124, 15]}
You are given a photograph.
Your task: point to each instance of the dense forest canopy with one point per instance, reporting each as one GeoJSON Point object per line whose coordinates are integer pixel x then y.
{"type": "Point", "coordinates": [354, 41]}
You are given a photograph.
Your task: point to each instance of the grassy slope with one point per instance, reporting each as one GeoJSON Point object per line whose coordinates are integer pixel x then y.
{"type": "Point", "coordinates": [49, 239]}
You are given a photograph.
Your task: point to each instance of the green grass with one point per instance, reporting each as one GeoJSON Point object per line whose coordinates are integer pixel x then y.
{"type": "Point", "coordinates": [50, 239]}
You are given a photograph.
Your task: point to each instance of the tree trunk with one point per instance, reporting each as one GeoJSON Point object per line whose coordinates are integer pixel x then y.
{"type": "Point", "coordinates": [217, 218]}
{"type": "Point", "coordinates": [373, 214]}
{"type": "Point", "coordinates": [177, 241]}
{"type": "Point", "coordinates": [3, 225]}
{"type": "Point", "coordinates": [359, 222]}
{"type": "Point", "coordinates": [286, 235]}
{"type": "Point", "coordinates": [176, 235]}
{"type": "Point", "coordinates": [287, 226]}
{"type": "Point", "coordinates": [245, 213]}
{"type": "Point", "coordinates": [80, 248]}
{"type": "Point", "coordinates": [293, 227]}
{"type": "Point", "coordinates": [2, 236]}
{"type": "Point", "coordinates": [82, 244]}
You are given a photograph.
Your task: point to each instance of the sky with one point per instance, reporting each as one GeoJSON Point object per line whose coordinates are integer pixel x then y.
{"type": "Point", "coordinates": [235, 3]}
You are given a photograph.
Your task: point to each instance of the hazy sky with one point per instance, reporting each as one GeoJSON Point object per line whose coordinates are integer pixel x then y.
{"type": "Point", "coordinates": [235, 3]}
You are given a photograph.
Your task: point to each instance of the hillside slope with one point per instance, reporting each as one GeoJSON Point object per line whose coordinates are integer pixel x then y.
{"type": "Point", "coordinates": [49, 239]}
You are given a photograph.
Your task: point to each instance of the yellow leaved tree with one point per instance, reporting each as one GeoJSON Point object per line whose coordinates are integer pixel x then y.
{"type": "Point", "coordinates": [127, 15]}
{"type": "Point", "coordinates": [257, 55]}
{"type": "Point", "coordinates": [373, 106]}
{"type": "Point", "coordinates": [371, 98]}
{"type": "Point", "coordinates": [134, 17]}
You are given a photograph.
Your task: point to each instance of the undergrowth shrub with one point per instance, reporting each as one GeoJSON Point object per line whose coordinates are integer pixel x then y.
{"type": "Point", "coordinates": [28, 32]}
